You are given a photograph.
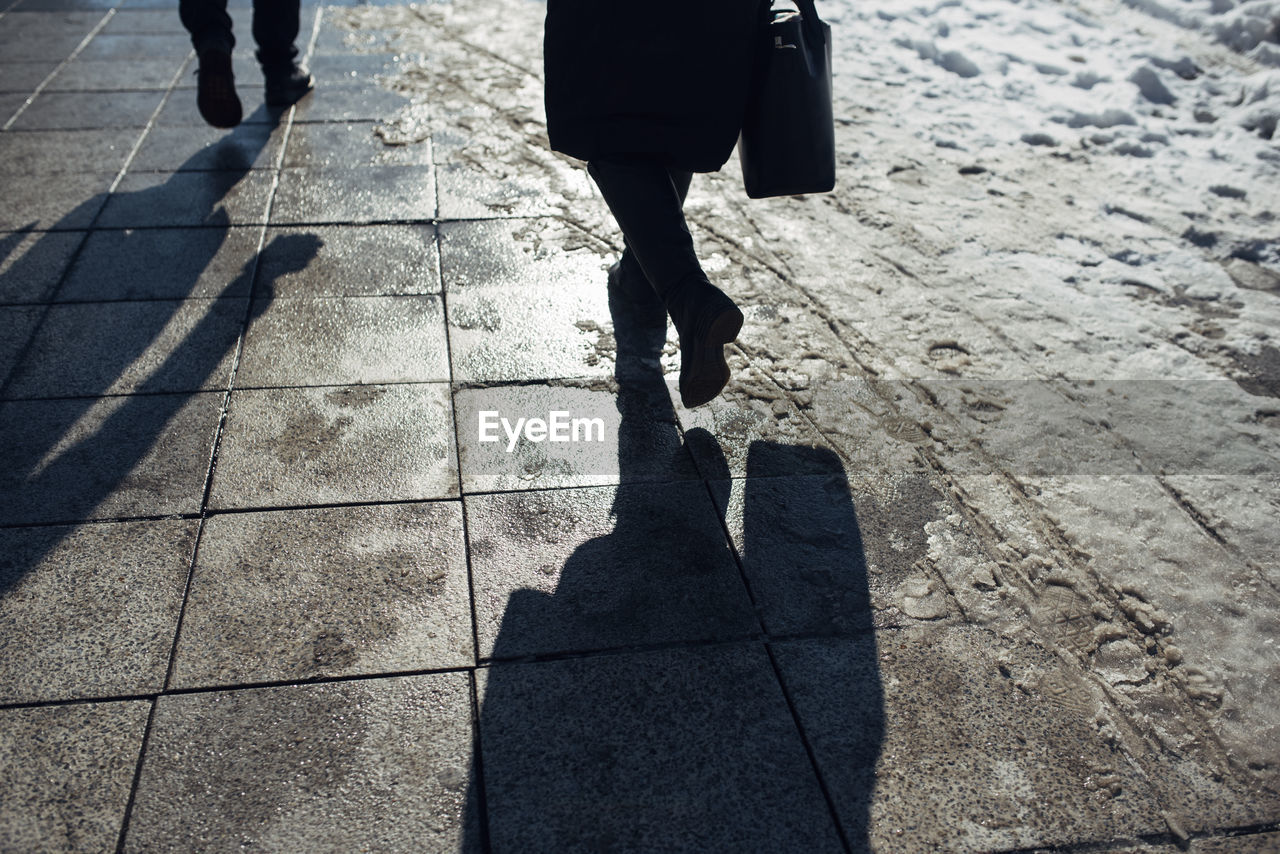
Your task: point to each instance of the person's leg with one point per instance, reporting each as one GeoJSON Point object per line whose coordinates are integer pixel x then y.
{"type": "Point", "coordinates": [275, 30]}
{"type": "Point", "coordinates": [647, 200]}
{"type": "Point", "coordinates": [210, 27]}
{"type": "Point", "coordinates": [629, 268]}
{"type": "Point", "coordinates": [208, 23]}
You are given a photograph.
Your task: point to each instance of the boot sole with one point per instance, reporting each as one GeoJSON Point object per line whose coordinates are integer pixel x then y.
{"type": "Point", "coordinates": [708, 372]}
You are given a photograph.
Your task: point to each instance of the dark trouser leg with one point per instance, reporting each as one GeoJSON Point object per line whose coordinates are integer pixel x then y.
{"type": "Point", "coordinates": [647, 200]}
{"type": "Point", "coordinates": [275, 29]}
{"type": "Point", "coordinates": [208, 23]}
{"type": "Point", "coordinates": [631, 268]}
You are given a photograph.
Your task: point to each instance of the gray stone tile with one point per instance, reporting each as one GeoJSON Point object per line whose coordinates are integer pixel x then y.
{"type": "Point", "coordinates": [958, 738]}
{"type": "Point", "coordinates": [143, 21]}
{"type": "Point", "coordinates": [163, 264]}
{"type": "Point", "coordinates": [41, 37]}
{"type": "Point", "coordinates": [751, 409]}
{"type": "Point", "coordinates": [66, 460]}
{"type": "Point", "coordinates": [130, 47]}
{"type": "Point", "coordinates": [335, 101]}
{"type": "Point", "coordinates": [350, 766]}
{"type": "Point", "coordinates": [90, 611]}
{"type": "Point", "coordinates": [357, 69]}
{"type": "Point", "coordinates": [17, 325]}
{"type": "Point", "coordinates": [350, 144]}
{"type": "Point", "coordinates": [521, 253]}
{"type": "Point", "coordinates": [599, 568]}
{"type": "Point", "coordinates": [338, 341]}
{"type": "Point", "coordinates": [71, 202]}
{"type": "Point", "coordinates": [23, 77]}
{"type": "Point", "coordinates": [371, 194]}
{"type": "Point", "coordinates": [66, 773]}
{"type": "Point", "coordinates": [126, 347]}
{"type": "Point", "coordinates": [34, 154]}
{"type": "Point", "coordinates": [530, 333]}
{"type": "Point", "coordinates": [298, 594]}
{"type": "Point", "coordinates": [181, 111]}
{"type": "Point", "coordinates": [635, 438]}
{"type": "Point", "coordinates": [180, 149]}
{"type": "Point", "coordinates": [292, 447]}
{"type": "Point", "coordinates": [374, 260]}
{"type": "Point", "coordinates": [10, 102]}
{"type": "Point", "coordinates": [114, 76]}
{"type": "Point", "coordinates": [340, 41]}
{"type": "Point", "coordinates": [188, 198]}
{"type": "Point", "coordinates": [62, 5]}
{"type": "Point", "coordinates": [88, 110]}
{"type": "Point", "coordinates": [31, 265]}
{"type": "Point", "coordinates": [666, 751]}
{"type": "Point", "coordinates": [821, 551]}
{"type": "Point", "coordinates": [481, 189]}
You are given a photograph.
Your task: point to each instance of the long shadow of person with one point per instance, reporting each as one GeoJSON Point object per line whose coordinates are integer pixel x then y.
{"type": "Point", "coordinates": [97, 419]}
{"type": "Point", "coordinates": [638, 707]}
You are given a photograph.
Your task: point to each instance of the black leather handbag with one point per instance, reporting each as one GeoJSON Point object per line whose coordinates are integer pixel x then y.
{"type": "Point", "coordinates": [788, 146]}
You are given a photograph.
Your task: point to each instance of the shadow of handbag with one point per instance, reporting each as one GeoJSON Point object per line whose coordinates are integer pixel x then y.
{"type": "Point", "coordinates": [787, 146]}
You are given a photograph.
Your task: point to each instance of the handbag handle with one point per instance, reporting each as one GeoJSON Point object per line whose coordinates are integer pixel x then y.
{"type": "Point", "coordinates": [810, 21]}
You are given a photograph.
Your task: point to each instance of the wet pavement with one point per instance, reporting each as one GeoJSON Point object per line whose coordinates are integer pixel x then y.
{"type": "Point", "coordinates": [276, 574]}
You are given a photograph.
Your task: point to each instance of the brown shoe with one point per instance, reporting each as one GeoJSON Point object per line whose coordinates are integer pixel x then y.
{"type": "Point", "coordinates": [216, 89]}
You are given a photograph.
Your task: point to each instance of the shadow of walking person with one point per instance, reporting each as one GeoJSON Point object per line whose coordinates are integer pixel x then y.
{"type": "Point", "coordinates": [112, 408]}
{"type": "Point", "coordinates": [638, 707]}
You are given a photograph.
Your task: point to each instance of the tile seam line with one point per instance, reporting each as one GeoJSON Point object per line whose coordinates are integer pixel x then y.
{"type": "Point", "coordinates": [135, 783]}
{"type": "Point", "coordinates": [75, 52]}
{"type": "Point", "coordinates": [485, 664]}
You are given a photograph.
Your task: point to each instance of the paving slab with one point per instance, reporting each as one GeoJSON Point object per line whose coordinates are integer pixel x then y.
{"type": "Point", "coordinates": [66, 773]}
{"type": "Point", "coordinates": [45, 6]}
{"type": "Point", "coordinates": [72, 202]}
{"type": "Point", "coordinates": [39, 37]}
{"type": "Point", "coordinates": [674, 750]}
{"type": "Point", "coordinates": [345, 444]}
{"type": "Point", "coordinates": [23, 156]}
{"type": "Point", "coordinates": [351, 144]}
{"type": "Point", "coordinates": [370, 194]}
{"type": "Point", "coordinates": [114, 76]}
{"type": "Point", "coordinates": [956, 738]}
{"type": "Point", "coordinates": [573, 570]}
{"type": "Point", "coordinates": [23, 77]}
{"type": "Point", "coordinates": [130, 47]}
{"type": "Point", "coordinates": [90, 611]}
{"type": "Point", "coordinates": [366, 765]}
{"type": "Point", "coordinates": [300, 594]}
{"type": "Point", "coordinates": [88, 110]}
{"type": "Point", "coordinates": [521, 253]}
{"type": "Point", "coordinates": [182, 149]}
{"type": "Point", "coordinates": [530, 333]}
{"type": "Point", "coordinates": [346, 340]}
{"type": "Point", "coordinates": [375, 260]}
{"type": "Point", "coordinates": [834, 553]}
{"type": "Point", "coordinates": [10, 103]}
{"type": "Point", "coordinates": [339, 101]}
{"type": "Point", "coordinates": [181, 109]}
{"type": "Point", "coordinates": [66, 460]}
{"type": "Point", "coordinates": [163, 264]}
{"type": "Point", "coordinates": [86, 349]}
{"type": "Point", "coordinates": [32, 265]}
{"type": "Point", "coordinates": [17, 325]}
{"type": "Point", "coordinates": [188, 198]}
{"type": "Point", "coordinates": [599, 432]}
{"type": "Point", "coordinates": [144, 21]}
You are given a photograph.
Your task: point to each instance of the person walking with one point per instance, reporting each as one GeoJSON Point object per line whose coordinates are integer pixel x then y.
{"type": "Point", "coordinates": [647, 95]}
{"type": "Point", "coordinates": [275, 28]}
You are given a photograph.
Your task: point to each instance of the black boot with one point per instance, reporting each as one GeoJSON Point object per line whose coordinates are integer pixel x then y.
{"type": "Point", "coordinates": [630, 289]}
{"type": "Point", "coordinates": [286, 83]}
{"type": "Point", "coordinates": [216, 89]}
{"type": "Point", "coordinates": [706, 319]}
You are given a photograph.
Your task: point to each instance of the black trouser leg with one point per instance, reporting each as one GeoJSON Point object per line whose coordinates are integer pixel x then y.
{"type": "Point", "coordinates": [275, 29]}
{"type": "Point", "coordinates": [208, 23]}
{"type": "Point", "coordinates": [630, 266]}
{"type": "Point", "coordinates": [647, 200]}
